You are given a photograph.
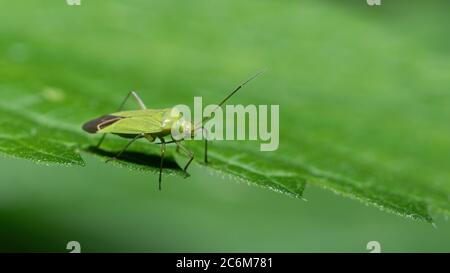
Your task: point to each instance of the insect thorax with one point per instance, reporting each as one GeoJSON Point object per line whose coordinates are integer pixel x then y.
{"type": "Point", "coordinates": [173, 122]}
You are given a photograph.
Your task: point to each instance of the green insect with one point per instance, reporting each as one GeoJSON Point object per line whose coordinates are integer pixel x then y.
{"type": "Point", "coordinates": [151, 124]}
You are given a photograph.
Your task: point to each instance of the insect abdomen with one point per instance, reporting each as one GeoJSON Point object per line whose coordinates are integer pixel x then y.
{"type": "Point", "coordinates": [102, 122]}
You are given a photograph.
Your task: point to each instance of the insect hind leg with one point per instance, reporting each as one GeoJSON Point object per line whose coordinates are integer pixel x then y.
{"type": "Point", "coordinates": [136, 97]}
{"type": "Point", "coordinates": [101, 141]}
{"type": "Point", "coordinates": [138, 100]}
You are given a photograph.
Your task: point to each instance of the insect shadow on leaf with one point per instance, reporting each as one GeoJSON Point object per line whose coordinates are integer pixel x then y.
{"type": "Point", "coordinates": [142, 159]}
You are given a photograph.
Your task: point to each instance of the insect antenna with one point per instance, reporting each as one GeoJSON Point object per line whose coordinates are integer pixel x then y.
{"type": "Point", "coordinates": [204, 120]}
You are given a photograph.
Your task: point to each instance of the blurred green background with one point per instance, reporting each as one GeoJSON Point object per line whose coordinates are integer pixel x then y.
{"type": "Point", "coordinates": [42, 208]}
{"type": "Point", "coordinates": [371, 78]}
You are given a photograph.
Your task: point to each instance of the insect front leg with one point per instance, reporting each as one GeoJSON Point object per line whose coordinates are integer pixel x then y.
{"type": "Point", "coordinates": [125, 148]}
{"type": "Point", "coordinates": [163, 150]}
{"type": "Point", "coordinates": [205, 136]}
{"type": "Point", "coordinates": [138, 100]}
{"type": "Point", "coordinates": [188, 153]}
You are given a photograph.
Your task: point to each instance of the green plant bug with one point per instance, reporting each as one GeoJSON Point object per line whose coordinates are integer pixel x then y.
{"type": "Point", "coordinates": [151, 124]}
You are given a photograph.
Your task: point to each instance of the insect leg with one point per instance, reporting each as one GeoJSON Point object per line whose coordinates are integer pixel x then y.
{"type": "Point", "coordinates": [205, 135]}
{"type": "Point", "coordinates": [139, 101]}
{"type": "Point", "coordinates": [101, 141]}
{"type": "Point", "coordinates": [188, 153]}
{"type": "Point", "coordinates": [166, 142]}
{"type": "Point", "coordinates": [136, 97]}
{"type": "Point", "coordinates": [163, 150]}
{"type": "Point", "coordinates": [125, 148]}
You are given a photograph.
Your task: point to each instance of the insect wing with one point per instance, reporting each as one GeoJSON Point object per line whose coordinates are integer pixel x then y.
{"type": "Point", "coordinates": [93, 126]}
{"type": "Point", "coordinates": [134, 125]}
{"type": "Point", "coordinates": [155, 113]}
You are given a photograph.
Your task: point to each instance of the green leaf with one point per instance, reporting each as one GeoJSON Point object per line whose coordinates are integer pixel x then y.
{"type": "Point", "coordinates": [368, 121]}
{"type": "Point", "coordinates": [25, 139]}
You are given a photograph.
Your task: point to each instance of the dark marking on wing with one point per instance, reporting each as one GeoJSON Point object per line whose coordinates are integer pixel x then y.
{"type": "Point", "coordinates": [99, 123]}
